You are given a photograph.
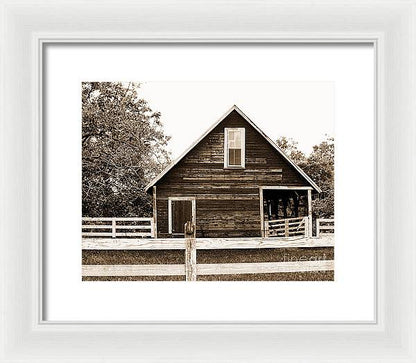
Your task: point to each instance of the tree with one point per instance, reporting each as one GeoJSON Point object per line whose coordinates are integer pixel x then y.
{"type": "Point", "coordinates": [290, 148]}
{"type": "Point", "coordinates": [319, 165]}
{"type": "Point", "coordinates": [123, 148]}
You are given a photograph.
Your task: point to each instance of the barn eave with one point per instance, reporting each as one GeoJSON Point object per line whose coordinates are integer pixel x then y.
{"type": "Point", "coordinates": [272, 143]}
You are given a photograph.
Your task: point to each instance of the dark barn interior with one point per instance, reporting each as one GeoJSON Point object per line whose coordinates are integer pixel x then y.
{"type": "Point", "coordinates": [281, 204]}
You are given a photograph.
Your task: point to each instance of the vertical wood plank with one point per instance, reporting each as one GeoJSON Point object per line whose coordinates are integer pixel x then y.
{"type": "Point", "coordinates": [286, 228]}
{"type": "Point", "coordinates": [154, 234]}
{"type": "Point", "coordinates": [309, 213]}
{"type": "Point", "coordinates": [317, 227]}
{"type": "Point", "coordinates": [113, 228]}
{"type": "Point", "coordinates": [190, 251]}
{"type": "Point", "coordinates": [261, 212]}
{"type": "Point", "coordinates": [305, 222]}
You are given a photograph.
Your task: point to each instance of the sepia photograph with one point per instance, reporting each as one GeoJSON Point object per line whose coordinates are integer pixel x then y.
{"type": "Point", "coordinates": [208, 181]}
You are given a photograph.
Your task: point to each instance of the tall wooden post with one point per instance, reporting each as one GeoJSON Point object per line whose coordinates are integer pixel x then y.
{"type": "Point", "coordinates": [286, 228]}
{"type": "Point", "coordinates": [262, 232]}
{"type": "Point", "coordinates": [266, 229]}
{"type": "Point", "coordinates": [190, 251]}
{"type": "Point", "coordinates": [154, 213]}
{"type": "Point", "coordinates": [309, 213]}
{"type": "Point", "coordinates": [113, 228]}
{"type": "Point", "coordinates": [317, 227]}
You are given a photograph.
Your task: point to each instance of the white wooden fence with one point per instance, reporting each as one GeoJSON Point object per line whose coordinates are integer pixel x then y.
{"type": "Point", "coordinates": [325, 225]}
{"type": "Point", "coordinates": [117, 227]}
{"type": "Point", "coordinates": [207, 269]}
{"type": "Point", "coordinates": [204, 243]}
{"type": "Point", "coordinates": [190, 269]}
{"type": "Point", "coordinates": [287, 227]}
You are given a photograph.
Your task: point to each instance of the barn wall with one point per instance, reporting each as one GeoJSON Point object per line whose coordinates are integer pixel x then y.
{"type": "Point", "coordinates": [227, 200]}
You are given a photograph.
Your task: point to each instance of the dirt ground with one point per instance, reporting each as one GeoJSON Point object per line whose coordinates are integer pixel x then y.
{"type": "Point", "coordinates": [130, 257]}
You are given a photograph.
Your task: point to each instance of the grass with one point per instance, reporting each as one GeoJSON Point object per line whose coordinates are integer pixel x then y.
{"type": "Point", "coordinates": [130, 257]}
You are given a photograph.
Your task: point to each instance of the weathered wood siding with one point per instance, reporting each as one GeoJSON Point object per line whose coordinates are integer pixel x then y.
{"type": "Point", "coordinates": [227, 200]}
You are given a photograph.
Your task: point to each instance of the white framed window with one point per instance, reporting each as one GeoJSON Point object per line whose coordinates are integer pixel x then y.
{"type": "Point", "coordinates": [234, 147]}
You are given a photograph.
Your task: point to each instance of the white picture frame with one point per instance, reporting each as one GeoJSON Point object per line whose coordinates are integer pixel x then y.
{"type": "Point", "coordinates": [27, 26]}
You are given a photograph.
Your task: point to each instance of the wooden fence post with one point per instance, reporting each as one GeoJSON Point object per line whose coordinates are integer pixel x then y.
{"type": "Point", "coordinates": [113, 228]}
{"type": "Point", "coordinates": [152, 228]}
{"type": "Point", "coordinates": [190, 251]}
{"type": "Point", "coordinates": [309, 213]}
{"type": "Point", "coordinates": [154, 221]}
{"type": "Point", "coordinates": [286, 228]}
{"type": "Point", "coordinates": [305, 221]}
{"type": "Point", "coordinates": [262, 226]}
{"type": "Point", "coordinates": [317, 227]}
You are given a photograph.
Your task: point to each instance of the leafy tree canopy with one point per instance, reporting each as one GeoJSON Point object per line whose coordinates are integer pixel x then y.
{"type": "Point", "coordinates": [290, 148]}
{"type": "Point", "coordinates": [319, 165]}
{"type": "Point", "coordinates": [123, 148]}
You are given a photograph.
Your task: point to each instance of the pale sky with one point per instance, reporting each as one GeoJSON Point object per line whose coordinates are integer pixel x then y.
{"type": "Point", "coordinates": [303, 111]}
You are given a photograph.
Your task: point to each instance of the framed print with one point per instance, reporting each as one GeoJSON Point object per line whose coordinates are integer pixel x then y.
{"type": "Point", "coordinates": [224, 180]}
{"type": "Point", "coordinates": [255, 220]}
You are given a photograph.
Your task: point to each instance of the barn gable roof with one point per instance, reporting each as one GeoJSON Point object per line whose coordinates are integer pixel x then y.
{"type": "Point", "coordinates": [241, 113]}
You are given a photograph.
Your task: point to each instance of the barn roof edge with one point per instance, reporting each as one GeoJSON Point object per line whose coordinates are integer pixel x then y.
{"type": "Point", "coordinates": [237, 109]}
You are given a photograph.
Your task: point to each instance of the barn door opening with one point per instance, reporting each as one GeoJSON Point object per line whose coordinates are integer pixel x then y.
{"type": "Point", "coordinates": [181, 210]}
{"type": "Point", "coordinates": [285, 203]}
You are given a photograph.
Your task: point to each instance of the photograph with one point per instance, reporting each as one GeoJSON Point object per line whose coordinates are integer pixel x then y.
{"type": "Point", "coordinates": [208, 181]}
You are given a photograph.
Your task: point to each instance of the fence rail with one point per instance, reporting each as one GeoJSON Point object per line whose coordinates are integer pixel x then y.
{"type": "Point", "coordinates": [208, 269]}
{"type": "Point", "coordinates": [117, 227]}
{"type": "Point", "coordinates": [204, 243]}
{"type": "Point", "coordinates": [325, 225]}
{"type": "Point", "coordinates": [190, 245]}
{"type": "Point", "coordinates": [287, 227]}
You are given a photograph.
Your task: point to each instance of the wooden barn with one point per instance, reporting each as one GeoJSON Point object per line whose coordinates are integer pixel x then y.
{"type": "Point", "coordinates": [234, 181]}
